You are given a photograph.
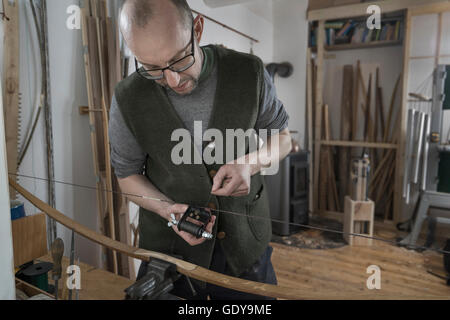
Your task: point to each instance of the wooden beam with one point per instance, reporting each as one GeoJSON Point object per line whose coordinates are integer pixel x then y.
{"type": "Point", "coordinates": [309, 114]}
{"type": "Point", "coordinates": [11, 63]}
{"type": "Point", "coordinates": [358, 10]}
{"type": "Point", "coordinates": [318, 108]}
{"type": "Point", "coordinates": [345, 121]}
{"type": "Point", "coordinates": [430, 8]}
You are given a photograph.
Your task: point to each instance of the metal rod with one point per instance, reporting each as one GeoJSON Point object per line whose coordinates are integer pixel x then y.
{"type": "Point", "coordinates": [426, 150]}
{"type": "Point", "coordinates": [226, 27]}
{"type": "Point", "coordinates": [409, 146]}
{"type": "Point", "coordinates": [419, 147]}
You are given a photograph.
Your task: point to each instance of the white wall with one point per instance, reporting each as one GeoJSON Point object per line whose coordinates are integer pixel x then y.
{"type": "Point", "coordinates": [72, 149]}
{"type": "Point", "coordinates": [250, 18]}
{"type": "Point", "coordinates": [290, 44]}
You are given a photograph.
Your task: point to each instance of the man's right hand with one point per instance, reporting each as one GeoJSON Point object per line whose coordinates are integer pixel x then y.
{"type": "Point", "coordinates": [178, 210]}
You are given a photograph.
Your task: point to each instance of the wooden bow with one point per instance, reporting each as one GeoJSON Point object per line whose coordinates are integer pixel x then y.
{"type": "Point", "coordinates": [183, 267]}
{"type": "Point", "coordinates": [186, 268]}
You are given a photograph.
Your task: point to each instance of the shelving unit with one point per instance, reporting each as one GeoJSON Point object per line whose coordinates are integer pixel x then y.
{"type": "Point", "coordinates": [320, 145]}
{"type": "Point", "coordinates": [373, 44]}
{"type": "Point", "coordinates": [407, 8]}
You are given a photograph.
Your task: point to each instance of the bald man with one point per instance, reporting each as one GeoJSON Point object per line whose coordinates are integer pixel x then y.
{"type": "Point", "coordinates": [177, 83]}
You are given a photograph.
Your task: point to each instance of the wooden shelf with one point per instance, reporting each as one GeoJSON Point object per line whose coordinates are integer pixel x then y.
{"type": "Point", "coordinates": [357, 10]}
{"type": "Point", "coordinates": [354, 46]}
{"type": "Point", "coordinates": [372, 44]}
{"type": "Point", "coordinates": [372, 145]}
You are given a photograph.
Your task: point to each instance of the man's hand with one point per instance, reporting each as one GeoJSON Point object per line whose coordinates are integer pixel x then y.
{"type": "Point", "coordinates": [178, 210]}
{"type": "Point", "coordinates": [232, 180]}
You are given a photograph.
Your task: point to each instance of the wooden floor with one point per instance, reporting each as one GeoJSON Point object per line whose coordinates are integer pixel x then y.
{"type": "Point", "coordinates": [343, 270]}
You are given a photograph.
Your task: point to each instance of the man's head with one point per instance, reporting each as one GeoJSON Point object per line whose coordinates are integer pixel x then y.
{"type": "Point", "coordinates": [158, 32]}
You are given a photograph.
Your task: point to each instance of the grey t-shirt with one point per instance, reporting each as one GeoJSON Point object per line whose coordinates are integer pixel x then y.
{"type": "Point", "coordinates": [128, 158]}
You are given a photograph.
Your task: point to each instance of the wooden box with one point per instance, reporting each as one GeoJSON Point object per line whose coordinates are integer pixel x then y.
{"type": "Point", "coordinates": [29, 238]}
{"type": "Point", "coordinates": [358, 212]}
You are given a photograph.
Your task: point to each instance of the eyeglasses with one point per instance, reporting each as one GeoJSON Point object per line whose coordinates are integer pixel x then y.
{"type": "Point", "coordinates": [178, 66]}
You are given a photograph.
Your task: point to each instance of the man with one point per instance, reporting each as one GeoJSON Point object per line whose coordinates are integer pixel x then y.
{"type": "Point", "coordinates": [178, 82]}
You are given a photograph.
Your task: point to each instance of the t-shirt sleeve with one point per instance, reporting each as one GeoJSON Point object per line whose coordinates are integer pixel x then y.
{"type": "Point", "coordinates": [272, 114]}
{"type": "Point", "coordinates": [127, 157]}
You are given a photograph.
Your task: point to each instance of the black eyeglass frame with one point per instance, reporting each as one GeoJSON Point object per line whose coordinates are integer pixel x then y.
{"type": "Point", "coordinates": [144, 72]}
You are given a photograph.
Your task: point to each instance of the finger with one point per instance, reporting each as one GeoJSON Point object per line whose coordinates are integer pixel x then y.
{"type": "Point", "coordinates": [179, 208]}
{"type": "Point", "coordinates": [229, 188]}
{"type": "Point", "coordinates": [210, 225]}
{"type": "Point", "coordinates": [219, 179]}
{"type": "Point", "coordinates": [189, 238]}
{"type": "Point", "coordinates": [239, 194]}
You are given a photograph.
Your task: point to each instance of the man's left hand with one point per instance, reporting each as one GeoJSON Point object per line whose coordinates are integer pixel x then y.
{"type": "Point", "coordinates": [232, 180]}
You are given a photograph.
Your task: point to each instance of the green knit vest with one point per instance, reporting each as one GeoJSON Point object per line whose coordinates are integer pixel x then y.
{"type": "Point", "coordinates": [151, 118]}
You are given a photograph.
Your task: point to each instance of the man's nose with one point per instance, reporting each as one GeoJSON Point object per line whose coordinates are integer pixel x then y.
{"type": "Point", "coordinates": [172, 78]}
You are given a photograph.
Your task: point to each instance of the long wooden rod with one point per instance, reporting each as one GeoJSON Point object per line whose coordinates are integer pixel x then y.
{"type": "Point", "coordinates": [226, 27]}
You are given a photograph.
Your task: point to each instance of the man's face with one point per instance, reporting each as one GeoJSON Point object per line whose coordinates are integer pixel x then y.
{"type": "Point", "coordinates": [161, 43]}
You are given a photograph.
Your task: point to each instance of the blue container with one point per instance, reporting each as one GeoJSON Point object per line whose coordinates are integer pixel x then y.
{"type": "Point", "coordinates": [17, 210]}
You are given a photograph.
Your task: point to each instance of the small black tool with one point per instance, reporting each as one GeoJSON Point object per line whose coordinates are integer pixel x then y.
{"type": "Point", "coordinates": [188, 225]}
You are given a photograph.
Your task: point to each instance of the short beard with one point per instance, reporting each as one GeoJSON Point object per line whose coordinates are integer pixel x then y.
{"type": "Point", "coordinates": [194, 81]}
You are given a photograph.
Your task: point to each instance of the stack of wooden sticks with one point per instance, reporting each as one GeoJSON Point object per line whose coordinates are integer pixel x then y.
{"type": "Point", "coordinates": [103, 68]}
{"type": "Point", "coordinates": [378, 140]}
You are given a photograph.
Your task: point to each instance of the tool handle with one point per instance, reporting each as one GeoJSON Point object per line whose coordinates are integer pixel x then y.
{"type": "Point", "coordinates": [57, 251]}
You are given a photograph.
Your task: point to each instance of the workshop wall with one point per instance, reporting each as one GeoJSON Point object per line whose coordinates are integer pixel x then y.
{"type": "Point", "coordinates": [290, 44]}
{"type": "Point", "coordinates": [72, 148]}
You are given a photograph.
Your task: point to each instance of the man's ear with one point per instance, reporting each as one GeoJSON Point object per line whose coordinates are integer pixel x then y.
{"type": "Point", "coordinates": [199, 22]}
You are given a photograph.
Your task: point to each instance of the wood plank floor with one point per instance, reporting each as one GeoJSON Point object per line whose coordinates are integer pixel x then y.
{"type": "Point", "coordinates": [343, 270]}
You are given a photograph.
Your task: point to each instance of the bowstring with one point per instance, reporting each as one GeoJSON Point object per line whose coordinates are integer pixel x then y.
{"type": "Point", "coordinates": [313, 227]}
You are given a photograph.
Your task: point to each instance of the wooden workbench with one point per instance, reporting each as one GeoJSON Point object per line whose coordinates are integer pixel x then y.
{"type": "Point", "coordinates": [96, 284]}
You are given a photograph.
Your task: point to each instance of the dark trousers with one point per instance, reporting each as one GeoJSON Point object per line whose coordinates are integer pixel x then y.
{"type": "Point", "coordinates": [261, 271]}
